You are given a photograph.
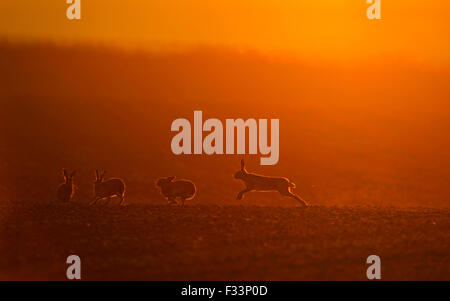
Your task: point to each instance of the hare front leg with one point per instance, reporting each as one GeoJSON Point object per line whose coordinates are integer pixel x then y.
{"type": "Point", "coordinates": [241, 193]}
{"type": "Point", "coordinates": [171, 200]}
{"type": "Point", "coordinates": [94, 201]}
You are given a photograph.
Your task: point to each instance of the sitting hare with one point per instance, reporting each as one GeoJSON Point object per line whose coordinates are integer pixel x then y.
{"type": "Point", "coordinates": [183, 189]}
{"type": "Point", "coordinates": [66, 190]}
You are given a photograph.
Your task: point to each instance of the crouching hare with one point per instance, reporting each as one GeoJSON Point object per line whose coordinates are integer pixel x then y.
{"type": "Point", "coordinates": [255, 182]}
{"type": "Point", "coordinates": [107, 189]}
{"type": "Point", "coordinates": [66, 189]}
{"type": "Point", "coordinates": [183, 189]}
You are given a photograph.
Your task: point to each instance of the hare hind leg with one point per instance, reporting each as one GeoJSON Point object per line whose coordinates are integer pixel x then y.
{"type": "Point", "coordinates": [107, 201]}
{"type": "Point", "coordinates": [122, 198]}
{"type": "Point", "coordinates": [289, 193]}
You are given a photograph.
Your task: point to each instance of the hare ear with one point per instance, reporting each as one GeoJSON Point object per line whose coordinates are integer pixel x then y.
{"type": "Point", "coordinates": [96, 174]}
{"type": "Point", "coordinates": [103, 174]}
{"type": "Point", "coordinates": [64, 173]}
{"type": "Point", "coordinates": [170, 179]}
{"type": "Point", "coordinates": [242, 164]}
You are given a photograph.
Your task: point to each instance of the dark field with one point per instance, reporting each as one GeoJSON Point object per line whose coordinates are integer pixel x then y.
{"type": "Point", "coordinates": [139, 242]}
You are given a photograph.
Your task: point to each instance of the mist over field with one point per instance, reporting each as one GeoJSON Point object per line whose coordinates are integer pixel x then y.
{"type": "Point", "coordinates": [373, 133]}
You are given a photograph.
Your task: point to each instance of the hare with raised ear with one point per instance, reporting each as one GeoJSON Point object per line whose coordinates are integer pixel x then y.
{"type": "Point", "coordinates": [255, 182]}
{"type": "Point", "coordinates": [107, 189]}
{"type": "Point", "coordinates": [66, 189]}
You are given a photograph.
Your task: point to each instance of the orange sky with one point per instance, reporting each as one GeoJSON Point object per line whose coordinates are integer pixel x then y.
{"type": "Point", "coordinates": [416, 30]}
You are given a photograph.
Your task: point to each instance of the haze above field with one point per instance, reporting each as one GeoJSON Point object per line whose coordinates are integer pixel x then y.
{"type": "Point", "coordinates": [326, 29]}
{"type": "Point", "coordinates": [363, 105]}
{"type": "Point", "coordinates": [373, 134]}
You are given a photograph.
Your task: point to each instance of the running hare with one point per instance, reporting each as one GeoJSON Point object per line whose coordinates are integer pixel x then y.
{"type": "Point", "coordinates": [107, 189]}
{"type": "Point", "coordinates": [255, 182]}
{"type": "Point", "coordinates": [66, 189]}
